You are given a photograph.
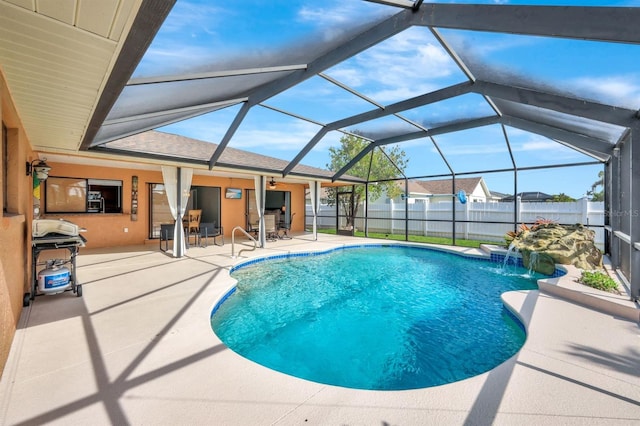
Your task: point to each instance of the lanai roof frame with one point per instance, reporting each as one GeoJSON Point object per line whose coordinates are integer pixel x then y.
{"type": "Point", "coordinates": [590, 127]}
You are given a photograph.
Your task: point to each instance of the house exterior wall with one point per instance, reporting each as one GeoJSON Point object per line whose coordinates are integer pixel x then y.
{"type": "Point", "coordinates": [108, 229]}
{"type": "Point", "coordinates": [478, 195]}
{"type": "Point", "coordinates": [15, 253]}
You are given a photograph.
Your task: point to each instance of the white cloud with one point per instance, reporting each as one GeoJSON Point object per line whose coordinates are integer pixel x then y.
{"type": "Point", "coordinates": [170, 60]}
{"type": "Point", "coordinates": [349, 76]}
{"type": "Point", "coordinates": [474, 47]}
{"type": "Point", "coordinates": [621, 90]}
{"type": "Point", "coordinates": [188, 35]}
{"type": "Point", "coordinates": [403, 66]}
{"type": "Point", "coordinates": [522, 144]}
{"type": "Point", "coordinates": [193, 19]}
{"type": "Point", "coordinates": [274, 136]}
{"type": "Point", "coordinates": [339, 13]}
{"type": "Point", "coordinates": [334, 19]}
{"type": "Point", "coordinates": [536, 146]}
{"type": "Point", "coordinates": [327, 16]}
{"type": "Point", "coordinates": [277, 138]}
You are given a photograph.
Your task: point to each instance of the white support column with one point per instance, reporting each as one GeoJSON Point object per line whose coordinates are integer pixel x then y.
{"type": "Point", "coordinates": [425, 216]}
{"type": "Point", "coordinates": [466, 218]}
{"type": "Point", "coordinates": [260, 191]}
{"type": "Point", "coordinates": [314, 193]}
{"type": "Point", "coordinates": [584, 210]}
{"type": "Point", "coordinates": [634, 211]}
{"type": "Point", "coordinates": [614, 206]}
{"type": "Point", "coordinates": [392, 215]}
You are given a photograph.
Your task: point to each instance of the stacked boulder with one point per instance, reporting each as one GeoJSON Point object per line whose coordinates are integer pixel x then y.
{"type": "Point", "coordinates": [554, 243]}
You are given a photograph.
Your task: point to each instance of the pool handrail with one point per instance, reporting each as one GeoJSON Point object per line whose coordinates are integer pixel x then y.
{"type": "Point", "coordinates": [233, 240]}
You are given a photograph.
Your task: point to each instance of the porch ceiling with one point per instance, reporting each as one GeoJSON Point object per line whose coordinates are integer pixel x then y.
{"type": "Point", "coordinates": [61, 57]}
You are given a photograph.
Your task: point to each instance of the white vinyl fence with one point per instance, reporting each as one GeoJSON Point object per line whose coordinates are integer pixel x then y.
{"type": "Point", "coordinates": [435, 219]}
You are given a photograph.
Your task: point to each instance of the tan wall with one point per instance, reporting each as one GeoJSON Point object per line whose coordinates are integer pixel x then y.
{"type": "Point", "coordinates": [15, 253]}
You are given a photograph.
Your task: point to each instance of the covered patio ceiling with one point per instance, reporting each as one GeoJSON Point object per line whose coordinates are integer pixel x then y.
{"type": "Point", "coordinates": [475, 95]}
{"type": "Point", "coordinates": [64, 58]}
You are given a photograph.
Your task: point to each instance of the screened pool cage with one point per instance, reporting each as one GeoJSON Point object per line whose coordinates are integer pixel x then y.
{"type": "Point", "coordinates": [515, 86]}
{"type": "Point", "coordinates": [455, 219]}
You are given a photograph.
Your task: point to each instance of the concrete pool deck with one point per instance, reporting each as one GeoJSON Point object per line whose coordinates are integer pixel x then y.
{"type": "Point", "coordinates": [137, 348]}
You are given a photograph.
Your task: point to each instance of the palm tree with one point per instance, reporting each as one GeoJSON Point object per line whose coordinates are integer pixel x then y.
{"type": "Point", "coordinates": [597, 196]}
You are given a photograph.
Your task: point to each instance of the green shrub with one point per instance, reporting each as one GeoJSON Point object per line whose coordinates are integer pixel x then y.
{"type": "Point", "coordinates": [599, 280]}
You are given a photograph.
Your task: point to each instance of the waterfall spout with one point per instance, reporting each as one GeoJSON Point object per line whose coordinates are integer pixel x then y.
{"type": "Point", "coordinates": [512, 253]}
{"type": "Point", "coordinates": [533, 262]}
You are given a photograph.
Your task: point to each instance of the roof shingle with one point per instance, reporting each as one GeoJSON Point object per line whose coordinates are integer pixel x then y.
{"type": "Point", "coordinates": [443, 186]}
{"type": "Point", "coordinates": [181, 147]}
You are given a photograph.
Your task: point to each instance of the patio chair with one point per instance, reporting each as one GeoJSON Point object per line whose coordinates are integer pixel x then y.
{"type": "Point", "coordinates": [285, 227]}
{"type": "Point", "coordinates": [192, 227]}
{"type": "Point", "coordinates": [253, 224]}
{"type": "Point", "coordinates": [166, 235]}
{"type": "Point", "coordinates": [271, 231]}
{"type": "Point", "coordinates": [209, 229]}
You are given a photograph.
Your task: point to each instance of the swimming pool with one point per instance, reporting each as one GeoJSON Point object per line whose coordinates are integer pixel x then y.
{"type": "Point", "coordinates": [373, 317]}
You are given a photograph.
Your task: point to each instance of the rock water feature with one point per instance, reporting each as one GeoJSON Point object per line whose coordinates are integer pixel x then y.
{"type": "Point", "coordinates": [543, 245]}
{"type": "Point", "coordinates": [512, 254]}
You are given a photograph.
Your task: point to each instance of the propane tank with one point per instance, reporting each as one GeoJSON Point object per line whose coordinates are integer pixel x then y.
{"type": "Point", "coordinates": [55, 278]}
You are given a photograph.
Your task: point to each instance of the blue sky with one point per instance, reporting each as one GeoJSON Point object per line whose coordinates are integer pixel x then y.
{"type": "Point", "coordinates": [200, 34]}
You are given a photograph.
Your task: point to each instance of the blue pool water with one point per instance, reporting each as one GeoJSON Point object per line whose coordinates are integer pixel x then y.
{"type": "Point", "coordinates": [384, 318]}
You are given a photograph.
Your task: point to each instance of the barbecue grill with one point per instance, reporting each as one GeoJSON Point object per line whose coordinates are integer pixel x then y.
{"type": "Point", "coordinates": [58, 275]}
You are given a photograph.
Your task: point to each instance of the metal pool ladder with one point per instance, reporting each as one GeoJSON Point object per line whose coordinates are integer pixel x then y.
{"type": "Point", "coordinates": [233, 241]}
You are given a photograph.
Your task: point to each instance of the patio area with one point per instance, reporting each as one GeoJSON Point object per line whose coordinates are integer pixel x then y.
{"type": "Point", "coordinates": [137, 348]}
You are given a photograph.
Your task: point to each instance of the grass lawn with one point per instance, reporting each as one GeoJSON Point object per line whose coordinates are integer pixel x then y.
{"type": "Point", "coordinates": [417, 238]}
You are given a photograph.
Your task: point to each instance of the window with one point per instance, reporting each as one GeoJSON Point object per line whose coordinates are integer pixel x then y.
{"type": "Point", "coordinates": [205, 198]}
{"type": "Point", "coordinates": [78, 195]}
{"type": "Point", "coordinates": [159, 213]}
{"type": "Point", "coordinates": [276, 202]}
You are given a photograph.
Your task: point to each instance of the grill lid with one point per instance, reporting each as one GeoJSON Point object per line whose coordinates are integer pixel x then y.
{"type": "Point", "coordinates": [42, 227]}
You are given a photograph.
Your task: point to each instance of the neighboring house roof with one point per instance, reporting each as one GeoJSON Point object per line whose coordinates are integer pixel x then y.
{"type": "Point", "coordinates": [443, 186]}
{"type": "Point", "coordinates": [415, 187]}
{"type": "Point", "coordinates": [530, 196]}
{"type": "Point", "coordinates": [499, 195]}
{"type": "Point", "coordinates": [172, 145]}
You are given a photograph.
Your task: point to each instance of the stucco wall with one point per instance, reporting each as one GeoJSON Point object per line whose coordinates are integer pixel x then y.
{"type": "Point", "coordinates": [15, 254]}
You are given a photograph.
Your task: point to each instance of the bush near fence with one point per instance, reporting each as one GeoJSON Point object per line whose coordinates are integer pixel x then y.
{"type": "Point", "coordinates": [473, 220]}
